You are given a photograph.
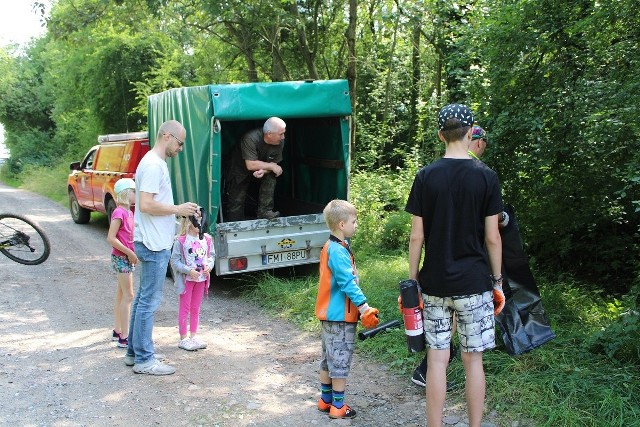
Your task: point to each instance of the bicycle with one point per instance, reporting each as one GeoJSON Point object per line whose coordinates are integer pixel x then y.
{"type": "Point", "coordinates": [23, 241]}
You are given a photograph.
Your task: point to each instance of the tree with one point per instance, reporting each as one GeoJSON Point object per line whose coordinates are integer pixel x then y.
{"type": "Point", "coordinates": [560, 117]}
{"type": "Point", "coordinates": [95, 69]}
{"type": "Point", "coordinates": [25, 108]}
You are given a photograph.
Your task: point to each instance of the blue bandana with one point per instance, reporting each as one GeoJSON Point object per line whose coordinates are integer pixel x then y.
{"type": "Point", "coordinates": [460, 112]}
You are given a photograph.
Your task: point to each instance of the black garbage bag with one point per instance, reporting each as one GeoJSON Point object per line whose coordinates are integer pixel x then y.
{"type": "Point", "coordinates": [523, 321]}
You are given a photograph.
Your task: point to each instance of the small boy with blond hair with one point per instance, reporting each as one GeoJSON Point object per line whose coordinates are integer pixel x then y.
{"type": "Point", "coordinates": [339, 305]}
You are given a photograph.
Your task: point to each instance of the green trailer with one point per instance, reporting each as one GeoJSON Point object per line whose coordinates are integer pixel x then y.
{"type": "Point", "coordinates": [316, 163]}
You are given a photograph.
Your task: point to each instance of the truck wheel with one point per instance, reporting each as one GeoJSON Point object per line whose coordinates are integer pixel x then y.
{"type": "Point", "coordinates": [111, 206]}
{"type": "Point", "coordinates": [79, 214]}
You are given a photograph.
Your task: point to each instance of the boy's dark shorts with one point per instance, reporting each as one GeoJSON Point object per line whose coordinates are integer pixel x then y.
{"type": "Point", "coordinates": [338, 342]}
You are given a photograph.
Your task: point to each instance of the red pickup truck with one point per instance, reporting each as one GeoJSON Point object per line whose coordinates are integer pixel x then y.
{"type": "Point", "coordinates": [90, 183]}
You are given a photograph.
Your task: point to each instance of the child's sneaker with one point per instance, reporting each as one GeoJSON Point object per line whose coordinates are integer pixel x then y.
{"type": "Point", "coordinates": [418, 378]}
{"type": "Point", "coordinates": [323, 406]}
{"type": "Point", "coordinates": [123, 342]}
{"type": "Point", "coordinates": [344, 412]}
{"type": "Point", "coordinates": [199, 345]}
{"type": "Point", "coordinates": [114, 335]}
{"type": "Point", "coordinates": [187, 344]}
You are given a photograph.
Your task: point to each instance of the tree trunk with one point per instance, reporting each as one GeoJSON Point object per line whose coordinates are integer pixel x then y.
{"type": "Point", "coordinates": [350, 35]}
{"type": "Point", "coordinates": [392, 51]}
{"type": "Point", "coordinates": [277, 66]}
{"type": "Point", "coordinates": [272, 35]}
{"type": "Point", "coordinates": [415, 80]}
{"type": "Point", "coordinates": [244, 44]}
{"type": "Point", "coordinates": [387, 90]}
{"type": "Point", "coordinates": [303, 44]}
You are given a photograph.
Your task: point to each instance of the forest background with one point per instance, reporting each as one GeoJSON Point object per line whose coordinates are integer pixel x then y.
{"type": "Point", "coordinates": [555, 83]}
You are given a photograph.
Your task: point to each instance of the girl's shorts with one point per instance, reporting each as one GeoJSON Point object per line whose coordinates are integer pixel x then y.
{"type": "Point", "coordinates": [121, 264]}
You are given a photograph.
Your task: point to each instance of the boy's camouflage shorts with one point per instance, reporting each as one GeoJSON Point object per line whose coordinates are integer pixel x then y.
{"type": "Point", "coordinates": [338, 342]}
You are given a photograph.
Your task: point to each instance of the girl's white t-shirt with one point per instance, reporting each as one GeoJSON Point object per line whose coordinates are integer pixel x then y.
{"type": "Point", "coordinates": [195, 253]}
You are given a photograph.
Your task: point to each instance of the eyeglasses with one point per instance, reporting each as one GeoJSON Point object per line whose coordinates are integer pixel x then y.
{"type": "Point", "coordinates": [180, 142]}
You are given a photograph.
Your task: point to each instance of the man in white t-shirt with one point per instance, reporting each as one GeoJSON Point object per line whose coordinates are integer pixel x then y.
{"type": "Point", "coordinates": [154, 230]}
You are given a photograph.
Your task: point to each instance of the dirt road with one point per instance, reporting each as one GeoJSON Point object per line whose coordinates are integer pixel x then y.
{"type": "Point", "coordinates": [59, 367]}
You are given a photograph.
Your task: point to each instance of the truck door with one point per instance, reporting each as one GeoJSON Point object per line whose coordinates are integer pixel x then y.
{"type": "Point", "coordinates": [84, 180]}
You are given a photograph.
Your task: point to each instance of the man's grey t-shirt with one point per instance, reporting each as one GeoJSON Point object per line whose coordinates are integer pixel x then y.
{"type": "Point", "coordinates": [253, 147]}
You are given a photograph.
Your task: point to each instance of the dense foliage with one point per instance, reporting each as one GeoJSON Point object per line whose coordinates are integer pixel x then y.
{"type": "Point", "coordinates": [554, 82]}
{"type": "Point", "coordinates": [567, 131]}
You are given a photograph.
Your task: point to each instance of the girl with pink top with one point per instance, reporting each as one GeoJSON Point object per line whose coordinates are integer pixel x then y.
{"type": "Point", "coordinates": [123, 258]}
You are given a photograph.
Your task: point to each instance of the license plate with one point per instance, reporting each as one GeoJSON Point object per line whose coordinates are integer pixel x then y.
{"type": "Point", "coordinates": [280, 257]}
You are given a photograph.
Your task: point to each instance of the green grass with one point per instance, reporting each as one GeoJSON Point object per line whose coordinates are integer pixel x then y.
{"type": "Point", "coordinates": [558, 384]}
{"type": "Point", "coordinates": [50, 182]}
{"type": "Point", "coordinates": [41, 179]}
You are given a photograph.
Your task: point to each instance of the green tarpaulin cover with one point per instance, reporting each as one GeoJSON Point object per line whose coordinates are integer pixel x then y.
{"type": "Point", "coordinates": [316, 158]}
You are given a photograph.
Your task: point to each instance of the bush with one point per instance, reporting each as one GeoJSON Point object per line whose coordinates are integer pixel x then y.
{"type": "Point", "coordinates": [380, 198]}
{"type": "Point", "coordinates": [50, 181]}
{"type": "Point", "coordinates": [396, 230]}
{"type": "Point", "coordinates": [11, 169]}
{"type": "Point", "coordinates": [620, 340]}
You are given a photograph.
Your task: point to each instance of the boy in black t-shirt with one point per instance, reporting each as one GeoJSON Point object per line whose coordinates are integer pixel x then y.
{"type": "Point", "coordinates": [455, 202]}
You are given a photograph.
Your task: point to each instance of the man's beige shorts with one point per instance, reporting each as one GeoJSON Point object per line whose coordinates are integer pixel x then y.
{"type": "Point", "coordinates": [476, 323]}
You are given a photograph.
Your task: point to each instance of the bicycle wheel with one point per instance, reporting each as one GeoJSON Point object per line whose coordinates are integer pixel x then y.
{"type": "Point", "coordinates": [23, 241]}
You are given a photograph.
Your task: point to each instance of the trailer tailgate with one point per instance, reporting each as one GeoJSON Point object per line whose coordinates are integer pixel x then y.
{"type": "Point", "coordinates": [258, 244]}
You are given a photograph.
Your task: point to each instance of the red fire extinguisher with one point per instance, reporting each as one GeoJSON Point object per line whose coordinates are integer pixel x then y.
{"type": "Point", "coordinates": [412, 315]}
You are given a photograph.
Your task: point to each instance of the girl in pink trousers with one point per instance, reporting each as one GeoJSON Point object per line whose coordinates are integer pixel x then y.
{"type": "Point", "coordinates": [192, 260]}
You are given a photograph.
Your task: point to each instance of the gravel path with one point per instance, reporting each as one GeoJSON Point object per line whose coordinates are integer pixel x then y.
{"type": "Point", "coordinates": [59, 367]}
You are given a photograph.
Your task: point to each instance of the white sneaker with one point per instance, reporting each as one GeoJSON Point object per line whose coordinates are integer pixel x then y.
{"type": "Point", "coordinates": [129, 360]}
{"type": "Point", "coordinates": [199, 344]}
{"type": "Point", "coordinates": [153, 367]}
{"type": "Point", "coordinates": [187, 344]}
